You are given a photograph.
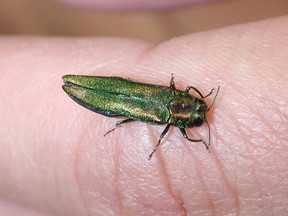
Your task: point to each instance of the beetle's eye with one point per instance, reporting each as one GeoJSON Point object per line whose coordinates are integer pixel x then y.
{"type": "Point", "coordinates": [202, 108]}
{"type": "Point", "coordinates": [198, 121]}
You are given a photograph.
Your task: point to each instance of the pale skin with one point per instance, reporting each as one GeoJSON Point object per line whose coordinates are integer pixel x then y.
{"type": "Point", "coordinates": [55, 159]}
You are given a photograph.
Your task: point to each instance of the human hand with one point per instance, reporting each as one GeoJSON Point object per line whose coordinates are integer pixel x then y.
{"type": "Point", "coordinates": [54, 158]}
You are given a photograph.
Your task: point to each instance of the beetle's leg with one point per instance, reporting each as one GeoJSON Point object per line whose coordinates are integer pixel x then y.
{"type": "Point", "coordinates": [159, 141]}
{"type": "Point", "coordinates": [195, 89]}
{"type": "Point", "coordinates": [214, 98]}
{"type": "Point", "coordinates": [193, 140]}
{"type": "Point", "coordinates": [172, 84]}
{"type": "Point", "coordinates": [209, 93]}
{"type": "Point", "coordinates": [118, 124]}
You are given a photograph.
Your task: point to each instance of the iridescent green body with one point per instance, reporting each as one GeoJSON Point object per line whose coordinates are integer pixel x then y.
{"type": "Point", "coordinates": [155, 104]}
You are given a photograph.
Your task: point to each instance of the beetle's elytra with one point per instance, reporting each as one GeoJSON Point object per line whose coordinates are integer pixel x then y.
{"type": "Point", "coordinates": [154, 104]}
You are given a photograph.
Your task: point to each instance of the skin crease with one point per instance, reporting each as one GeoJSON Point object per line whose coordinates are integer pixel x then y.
{"type": "Point", "coordinates": [132, 5]}
{"type": "Point", "coordinates": [54, 158]}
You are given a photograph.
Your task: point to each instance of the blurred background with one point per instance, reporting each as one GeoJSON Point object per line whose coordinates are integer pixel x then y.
{"type": "Point", "coordinates": [48, 17]}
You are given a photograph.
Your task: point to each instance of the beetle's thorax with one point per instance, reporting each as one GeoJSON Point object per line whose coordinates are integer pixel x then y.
{"type": "Point", "coordinates": [186, 110]}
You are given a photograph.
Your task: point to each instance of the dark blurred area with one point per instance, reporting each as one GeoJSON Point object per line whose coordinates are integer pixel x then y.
{"type": "Point", "coordinates": [47, 17]}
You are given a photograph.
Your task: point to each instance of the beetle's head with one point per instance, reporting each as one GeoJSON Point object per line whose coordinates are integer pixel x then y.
{"type": "Point", "coordinates": [199, 113]}
{"type": "Point", "coordinates": [187, 111]}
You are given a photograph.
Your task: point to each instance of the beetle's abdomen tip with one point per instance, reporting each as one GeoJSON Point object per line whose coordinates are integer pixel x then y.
{"type": "Point", "coordinates": [66, 89]}
{"type": "Point", "coordinates": [67, 77]}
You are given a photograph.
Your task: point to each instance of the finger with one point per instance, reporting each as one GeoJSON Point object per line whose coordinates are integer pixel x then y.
{"type": "Point", "coordinates": [54, 156]}
{"type": "Point", "coordinates": [12, 209]}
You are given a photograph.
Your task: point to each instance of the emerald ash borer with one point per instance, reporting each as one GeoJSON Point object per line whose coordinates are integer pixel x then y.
{"type": "Point", "coordinates": [135, 101]}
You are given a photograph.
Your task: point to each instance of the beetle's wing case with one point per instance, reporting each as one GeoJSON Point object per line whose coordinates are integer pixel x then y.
{"type": "Point", "coordinates": [117, 97]}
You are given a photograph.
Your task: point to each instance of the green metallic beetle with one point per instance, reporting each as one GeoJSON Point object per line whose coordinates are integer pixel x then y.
{"type": "Point", "coordinates": [154, 104]}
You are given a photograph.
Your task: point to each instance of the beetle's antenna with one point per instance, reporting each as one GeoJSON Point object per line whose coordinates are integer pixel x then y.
{"type": "Point", "coordinates": [213, 100]}
{"type": "Point", "coordinates": [208, 133]}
